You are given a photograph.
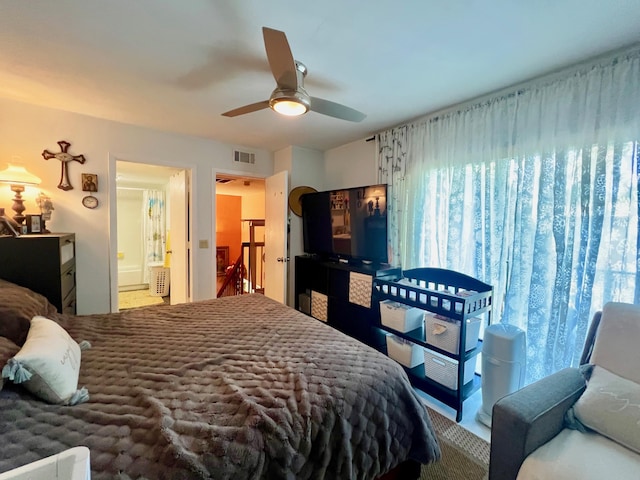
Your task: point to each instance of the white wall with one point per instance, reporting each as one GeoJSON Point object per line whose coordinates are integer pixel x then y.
{"type": "Point", "coordinates": [351, 165]}
{"type": "Point", "coordinates": [129, 237]}
{"type": "Point", "coordinates": [252, 208]}
{"type": "Point", "coordinates": [26, 130]}
{"type": "Point", "coordinates": [130, 241]}
{"type": "Point", "coordinates": [305, 167]}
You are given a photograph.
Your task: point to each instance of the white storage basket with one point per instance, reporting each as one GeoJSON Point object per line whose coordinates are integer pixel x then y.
{"type": "Point", "coordinates": [444, 370]}
{"type": "Point", "coordinates": [159, 284]}
{"type": "Point", "coordinates": [404, 351]}
{"type": "Point", "coordinates": [444, 333]}
{"type": "Point", "coordinates": [400, 317]}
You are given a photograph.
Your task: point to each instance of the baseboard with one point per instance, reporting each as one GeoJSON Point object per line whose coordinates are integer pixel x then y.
{"type": "Point", "coordinates": [131, 288]}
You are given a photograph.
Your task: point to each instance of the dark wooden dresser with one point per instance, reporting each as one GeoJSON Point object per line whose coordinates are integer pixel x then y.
{"type": "Point", "coordinates": [45, 264]}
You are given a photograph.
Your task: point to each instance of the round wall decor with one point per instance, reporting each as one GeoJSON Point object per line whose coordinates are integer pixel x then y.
{"type": "Point", "coordinates": [294, 198]}
{"type": "Point", "coordinates": [90, 201]}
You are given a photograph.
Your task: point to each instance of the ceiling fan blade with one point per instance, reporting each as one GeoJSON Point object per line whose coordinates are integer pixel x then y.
{"type": "Point", "coordinates": [336, 110]}
{"type": "Point", "coordinates": [254, 107]}
{"type": "Point", "coordinates": [281, 61]}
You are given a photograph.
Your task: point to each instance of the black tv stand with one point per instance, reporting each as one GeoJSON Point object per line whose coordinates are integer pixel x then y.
{"type": "Point", "coordinates": [330, 279]}
{"type": "Point", "coordinates": [353, 262]}
{"type": "Point", "coordinates": [346, 261]}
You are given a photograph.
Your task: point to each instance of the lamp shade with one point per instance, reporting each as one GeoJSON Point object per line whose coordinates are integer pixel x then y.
{"type": "Point", "coordinates": [18, 175]}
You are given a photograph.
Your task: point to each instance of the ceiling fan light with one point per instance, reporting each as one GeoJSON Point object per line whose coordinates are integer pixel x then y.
{"type": "Point", "coordinates": [288, 102]}
{"type": "Point", "coordinates": [289, 107]}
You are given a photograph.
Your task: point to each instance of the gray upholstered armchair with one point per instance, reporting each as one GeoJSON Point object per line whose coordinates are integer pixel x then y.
{"type": "Point", "coordinates": [530, 438]}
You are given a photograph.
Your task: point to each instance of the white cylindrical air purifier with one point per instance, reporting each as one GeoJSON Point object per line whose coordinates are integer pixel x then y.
{"type": "Point", "coordinates": [503, 365]}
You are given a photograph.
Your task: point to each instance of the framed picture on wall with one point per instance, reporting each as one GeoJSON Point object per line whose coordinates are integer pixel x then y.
{"type": "Point", "coordinates": [89, 182]}
{"type": "Point", "coordinates": [222, 260]}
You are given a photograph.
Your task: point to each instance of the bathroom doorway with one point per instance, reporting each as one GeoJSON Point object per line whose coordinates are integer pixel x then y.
{"type": "Point", "coordinates": [144, 225]}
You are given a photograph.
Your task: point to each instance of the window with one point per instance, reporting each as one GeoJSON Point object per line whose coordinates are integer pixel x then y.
{"type": "Point", "coordinates": [534, 191]}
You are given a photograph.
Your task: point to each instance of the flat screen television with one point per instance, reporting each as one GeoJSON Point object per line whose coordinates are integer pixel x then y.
{"type": "Point", "coordinates": [348, 224]}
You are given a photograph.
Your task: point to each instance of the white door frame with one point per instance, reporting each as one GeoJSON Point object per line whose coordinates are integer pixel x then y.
{"type": "Point", "coordinates": [236, 174]}
{"type": "Point", "coordinates": [277, 256]}
{"type": "Point", "coordinates": [180, 243]}
{"type": "Point", "coordinates": [113, 222]}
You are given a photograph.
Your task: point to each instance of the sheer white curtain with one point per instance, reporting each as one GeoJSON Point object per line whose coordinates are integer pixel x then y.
{"type": "Point", "coordinates": [154, 229]}
{"type": "Point", "coordinates": [534, 191]}
{"type": "Point", "coordinates": [392, 159]}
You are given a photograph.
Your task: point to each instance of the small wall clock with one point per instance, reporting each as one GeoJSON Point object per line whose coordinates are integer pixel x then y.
{"type": "Point", "coordinates": [90, 201]}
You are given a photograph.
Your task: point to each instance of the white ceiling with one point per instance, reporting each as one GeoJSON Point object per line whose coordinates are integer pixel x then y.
{"type": "Point", "coordinates": [176, 65]}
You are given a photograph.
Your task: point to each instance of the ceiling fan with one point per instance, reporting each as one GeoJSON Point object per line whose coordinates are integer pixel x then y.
{"type": "Point", "coordinates": [289, 97]}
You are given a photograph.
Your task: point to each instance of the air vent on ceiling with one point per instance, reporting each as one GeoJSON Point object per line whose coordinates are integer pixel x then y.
{"type": "Point", "coordinates": [244, 157]}
{"type": "Point", "coordinates": [223, 180]}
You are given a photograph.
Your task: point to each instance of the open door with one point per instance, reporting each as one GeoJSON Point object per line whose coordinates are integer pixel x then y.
{"type": "Point", "coordinates": [276, 249]}
{"type": "Point", "coordinates": [179, 247]}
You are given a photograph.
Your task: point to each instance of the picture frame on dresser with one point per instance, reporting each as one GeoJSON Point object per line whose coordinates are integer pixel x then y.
{"type": "Point", "coordinates": [34, 223]}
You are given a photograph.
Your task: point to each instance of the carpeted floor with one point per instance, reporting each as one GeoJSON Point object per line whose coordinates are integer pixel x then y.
{"type": "Point", "coordinates": [137, 298]}
{"type": "Point", "coordinates": [464, 455]}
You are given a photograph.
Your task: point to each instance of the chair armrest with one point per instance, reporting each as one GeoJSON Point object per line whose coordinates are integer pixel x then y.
{"type": "Point", "coordinates": [529, 418]}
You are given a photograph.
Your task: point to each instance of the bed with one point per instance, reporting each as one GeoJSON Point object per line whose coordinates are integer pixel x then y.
{"type": "Point", "coordinates": [233, 388]}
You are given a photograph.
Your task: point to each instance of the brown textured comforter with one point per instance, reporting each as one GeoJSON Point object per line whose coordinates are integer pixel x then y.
{"type": "Point", "coordinates": [235, 388]}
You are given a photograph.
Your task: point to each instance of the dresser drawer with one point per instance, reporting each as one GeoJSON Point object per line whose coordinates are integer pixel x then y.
{"type": "Point", "coordinates": [69, 303]}
{"type": "Point", "coordinates": [68, 280]}
{"type": "Point", "coordinates": [67, 253]}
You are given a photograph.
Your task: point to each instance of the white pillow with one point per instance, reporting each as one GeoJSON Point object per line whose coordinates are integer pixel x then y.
{"type": "Point", "coordinates": [48, 364]}
{"type": "Point", "coordinates": [611, 406]}
{"type": "Point", "coordinates": [616, 344]}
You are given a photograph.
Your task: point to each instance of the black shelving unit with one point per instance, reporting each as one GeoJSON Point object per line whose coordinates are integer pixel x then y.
{"type": "Point", "coordinates": [450, 294]}
{"type": "Point", "coordinates": [332, 279]}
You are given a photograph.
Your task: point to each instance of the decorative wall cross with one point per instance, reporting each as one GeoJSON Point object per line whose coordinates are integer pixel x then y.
{"type": "Point", "coordinates": [64, 158]}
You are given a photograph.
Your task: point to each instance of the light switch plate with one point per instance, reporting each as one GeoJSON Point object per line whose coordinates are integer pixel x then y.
{"type": "Point", "coordinates": [203, 243]}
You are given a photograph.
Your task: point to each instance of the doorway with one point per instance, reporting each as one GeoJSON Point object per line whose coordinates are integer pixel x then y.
{"type": "Point", "coordinates": [240, 216]}
{"type": "Point", "coordinates": [263, 219]}
{"type": "Point", "coordinates": [146, 222]}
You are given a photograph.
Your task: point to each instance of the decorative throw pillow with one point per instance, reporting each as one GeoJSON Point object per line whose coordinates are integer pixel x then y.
{"type": "Point", "coordinates": [18, 305]}
{"type": "Point", "coordinates": [48, 364]}
{"type": "Point", "coordinates": [610, 405]}
{"type": "Point", "coordinates": [616, 343]}
{"type": "Point", "coordinates": [7, 350]}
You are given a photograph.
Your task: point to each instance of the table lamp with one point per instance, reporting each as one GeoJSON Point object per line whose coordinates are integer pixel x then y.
{"type": "Point", "coordinates": [17, 176]}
